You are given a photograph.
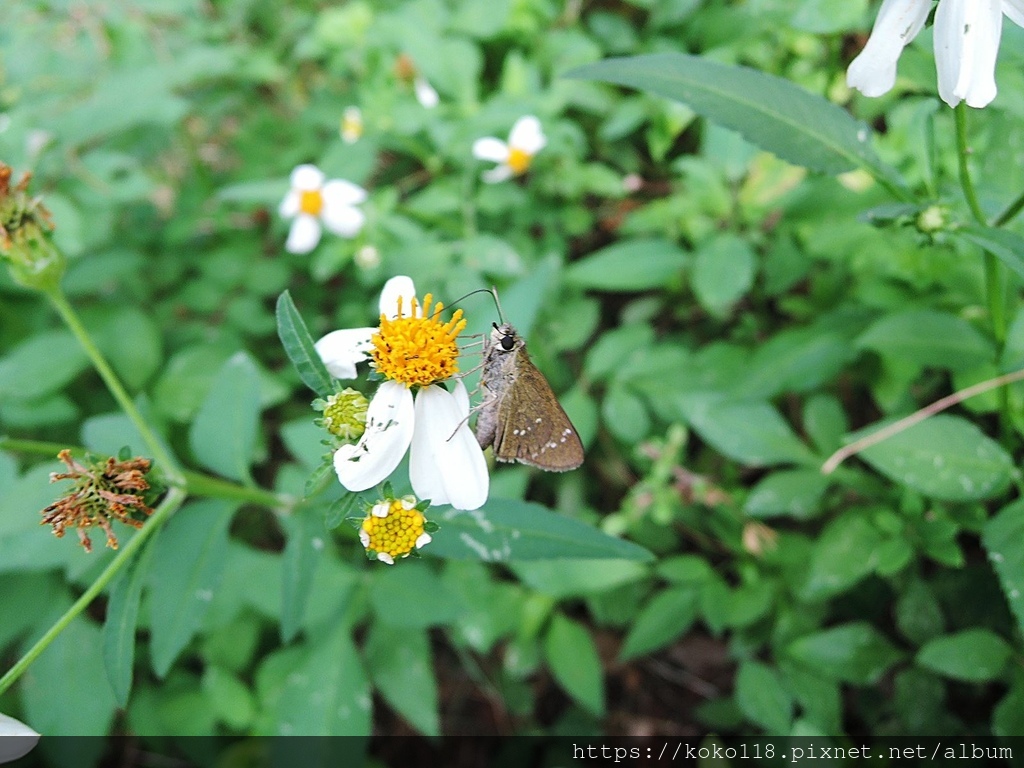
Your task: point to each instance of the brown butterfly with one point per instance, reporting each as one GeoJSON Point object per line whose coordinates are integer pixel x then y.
{"type": "Point", "coordinates": [520, 415]}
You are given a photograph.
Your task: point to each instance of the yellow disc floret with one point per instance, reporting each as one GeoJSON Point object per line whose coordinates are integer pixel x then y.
{"type": "Point", "coordinates": [418, 350]}
{"type": "Point", "coordinates": [519, 160]}
{"type": "Point", "coordinates": [393, 528]}
{"type": "Point", "coordinates": [311, 201]}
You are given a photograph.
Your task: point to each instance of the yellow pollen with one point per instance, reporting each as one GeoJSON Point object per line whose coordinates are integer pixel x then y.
{"type": "Point", "coordinates": [311, 202]}
{"type": "Point", "coordinates": [418, 350]}
{"type": "Point", "coordinates": [395, 534]}
{"type": "Point", "coordinates": [519, 160]}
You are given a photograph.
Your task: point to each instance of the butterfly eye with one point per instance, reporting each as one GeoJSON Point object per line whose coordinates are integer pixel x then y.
{"type": "Point", "coordinates": [507, 342]}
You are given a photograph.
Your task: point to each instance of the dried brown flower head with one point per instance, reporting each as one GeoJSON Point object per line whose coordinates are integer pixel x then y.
{"type": "Point", "coordinates": [104, 490]}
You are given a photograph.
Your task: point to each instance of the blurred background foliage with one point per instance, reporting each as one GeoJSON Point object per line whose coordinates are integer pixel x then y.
{"type": "Point", "coordinates": [715, 320]}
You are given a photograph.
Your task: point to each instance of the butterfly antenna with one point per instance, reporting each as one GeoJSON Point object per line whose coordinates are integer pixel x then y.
{"type": "Point", "coordinates": [494, 293]}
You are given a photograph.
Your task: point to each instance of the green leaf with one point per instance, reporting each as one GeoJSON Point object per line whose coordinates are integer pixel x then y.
{"type": "Point", "coordinates": [767, 111]}
{"type": "Point", "coordinates": [665, 617]}
{"type": "Point", "coordinates": [762, 698]}
{"type": "Point", "coordinates": [188, 563]}
{"type": "Point", "coordinates": [853, 653]}
{"type": "Point", "coordinates": [506, 530]}
{"type": "Point", "coordinates": [846, 552]}
{"type": "Point", "coordinates": [975, 655]}
{"type": "Point", "coordinates": [40, 366]}
{"type": "Point", "coordinates": [928, 338]}
{"type": "Point", "coordinates": [566, 578]}
{"type": "Point", "coordinates": [400, 664]}
{"type": "Point", "coordinates": [632, 265]}
{"type": "Point", "coordinates": [751, 432]}
{"type": "Point", "coordinates": [799, 360]}
{"type": "Point", "coordinates": [1006, 246]}
{"type": "Point", "coordinates": [119, 627]}
{"type": "Point", "coordinates": [944, 457]}
{"type": "Point", "coordinates": [722, 273]}
{"type": "Point", "coordinates": [825, 422]}
{"type": "Point", "coordinates": [918, 614]}
{"type": "Point", "coordinates": [793, 492]}
{"type": "Point", "coordinates": [298, 345]}
{"type": "Point", "coordinates": [1002, 538]}
{"type": "Point", "coordinates": [572, 656]}
{"type": "Point", "coordinates": [302, 554]}
{"type": "Point", "coordinates": [398, 595]}
{"type": "Point", "coordinates": [326, 692]}
{"type": "Point", "coordinates": [231, 700]}
{"type": "Point", "coordinates": [223, 435]}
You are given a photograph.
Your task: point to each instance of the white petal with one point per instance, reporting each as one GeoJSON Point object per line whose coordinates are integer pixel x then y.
{"type": "Point", "coordinates": [307, 177]}
{"type": "Point", "coordinates": [461, 395]}
{"type": "Point", "coordinates": [290, 205]}
{"type": "Point", "coordinates": [1014, 10]}
{"type": "Point", "coordinates": [496, 174]}
{"type": "Point", "coordinates": [446, 463]}
{"type": "Point", "coordinates": [425, 93]}
{"type": "Point", "coordinates": [527, 135]}
{"type": "Point", "coordinates": [966, 43]}
{"type": "Point", "coordinates": [342, 220]}
{"type": "Point", "coordinates": [423, 539]}
{"type": "Point", "coordinates": [490, 148]}
{"type": "Point", "coordinates": [303, 235]}
{"type": "Point", "coordinates": [364, 538]}
{"type": "Point", "coordinates": [384, 557]}
{"type": "Point", "coordinates": [341, 350]}
{"type": "Point", "coordinates": [389, 429]}
{"type": "Point", "coordinates": [380, 509]}
{"type": "Point", "coordinates": [341, 192]}
{"type": "Point", "coordinates": [400, 285]}
{"type": "Point", "coordinates": [873, 72]}
{"type": "Point", "coordinates": [16, 739]}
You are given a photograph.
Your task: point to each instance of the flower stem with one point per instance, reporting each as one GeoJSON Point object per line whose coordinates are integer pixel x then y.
{"type": "Point", "coordinates": [196, 483]}
{"type": "Point", "coordinates": [168, 464]}
{"type": "Point", "coordinates": [174, 499]}
{"type": "Point", "coordinates": [994, 288]}
{"type": "Point", "coordinates": [1010, 212]}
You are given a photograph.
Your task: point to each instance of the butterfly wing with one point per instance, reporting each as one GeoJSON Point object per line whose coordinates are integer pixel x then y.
{"type": "Point", "coordinates": [532, 428]}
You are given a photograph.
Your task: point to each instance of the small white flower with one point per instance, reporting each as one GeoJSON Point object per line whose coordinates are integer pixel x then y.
{"type": "Point", "coordinates": [16, 739]}
{"type": "Point", "coordinates": [312, 200]}
{"type": "Point", "coordinates": [966, 40]}
{"type": "Point", "coordinates": [446, 464]}
{"type": "Point", "coordinates": [425, 93]}
{"type": "Point", "coordinates": [351, 125]}
{"type": "Point", "coordinates": [525, 140]}
{"type": "Point", "coordinates": [367, 257]}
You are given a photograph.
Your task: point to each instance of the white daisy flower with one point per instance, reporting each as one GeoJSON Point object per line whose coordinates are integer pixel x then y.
{"type": "Point", "coordinates": [16, 739]}
{"type": "Point", "coordinates": [412, 347]}
{"type": "Point", "coordinates": [525, 140]}
{"type": "Point", "coordinates": [351, 129]}
{"type": "Point", "coordinates": [313, 200]}
{"type": "Point", "coordinates": [966, 41]}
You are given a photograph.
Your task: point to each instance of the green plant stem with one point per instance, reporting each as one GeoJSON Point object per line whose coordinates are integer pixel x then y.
{"type": "Point", "coordinates": [168, 464]}
{"type": "Point", "coordinates": [994, 288]}
{"type": "Point", "coordinates": [1009, 212]}
{"type": "Point", "coordinates": [196, 483]}
{"type": "Point", "coordinates": [174, 499]}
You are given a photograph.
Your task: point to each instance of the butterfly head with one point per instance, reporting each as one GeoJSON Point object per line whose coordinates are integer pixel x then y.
{"type": "Point", "coordinates": [505, 338]}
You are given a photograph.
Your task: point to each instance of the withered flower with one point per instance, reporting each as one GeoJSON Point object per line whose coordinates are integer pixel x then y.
{"type": "Point", "coordinates": [104, 490]}
{"type": "Point", "coordinates": [25, 244]}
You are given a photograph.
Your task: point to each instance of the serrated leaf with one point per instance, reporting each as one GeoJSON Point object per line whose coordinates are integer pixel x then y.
{"type": "Point", "coordinates": [632, 265]}
{"type": "Point", "coordinates": [325, 692]}
{"type": "Point", "coordinates": [976, 655]}
{"type": "Point", "coordinates": [767, 111]}
{"type": "Point", "coordinates": [298, 345]}
{"type": "Point", "coordinates": [762, 698]}
{"type": "Point", "coordinates": [665, 617]}
{"type": "Point", "coordinates": [400, 664]}
{"type": "Point", "coordinates": [188, 563]}
{"type": "Point", "coordinates": [944, 457]}
{"type": "Point", "coordinates": [223, 435]}
{"type": "Point", "coordinates": [119, 627]}
{"type": "Point", "coordinates": [853, 653]}
{"type": "Point", "coordinates": [1002, 538]}
{"type": "Point", "coordinates": [572, 656]}
{"type": "Point", "coordinates": [302, 554]}
{"type": "Point", "coordinates": [506, 530]}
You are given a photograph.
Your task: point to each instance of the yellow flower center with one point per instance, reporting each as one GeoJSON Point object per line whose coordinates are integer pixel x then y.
{"type": "Point", "coordinates": [519, 160]}
{"type": "Point", "coordinates": [311, 201]}
{"type": "Point", "coordinates": [397, 532]}
{"type": "Point", "coordinates": [418, 350]}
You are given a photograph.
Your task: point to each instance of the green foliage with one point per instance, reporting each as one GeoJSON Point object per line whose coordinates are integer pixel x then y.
{"type": "Point", "coordinates": [724, 272]}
